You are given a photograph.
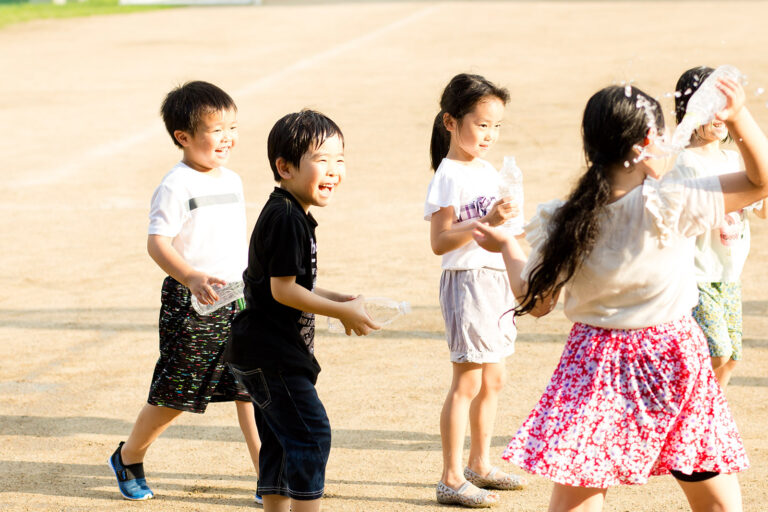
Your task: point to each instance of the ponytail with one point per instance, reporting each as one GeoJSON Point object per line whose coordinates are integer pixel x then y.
{"type": "Point", "coordinates": [440, 143]}
{"type": "Point", "coordinates": [575, 228]}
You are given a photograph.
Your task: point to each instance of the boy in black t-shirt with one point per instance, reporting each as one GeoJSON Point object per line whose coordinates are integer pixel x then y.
{"type": "Point", "coordinates": [271, 350]}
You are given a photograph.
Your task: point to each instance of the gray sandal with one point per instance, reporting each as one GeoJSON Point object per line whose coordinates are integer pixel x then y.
{"type": "Point", "coordinates": [508, 482]}
{"type": "Point", "coordinates": [480, 499]}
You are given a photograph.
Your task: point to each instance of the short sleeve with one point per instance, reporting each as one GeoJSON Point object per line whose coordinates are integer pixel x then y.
{"type": "Point", "coordinates": [167, 213]}
{"type": "Point", "coordinates": [537, 232]}
{"type": "Point", "coordinates": [286, 240]}
{"type": "Point", "coordinates": [443, 191]}
{"type": "Point", "coordinates": [686, 207]}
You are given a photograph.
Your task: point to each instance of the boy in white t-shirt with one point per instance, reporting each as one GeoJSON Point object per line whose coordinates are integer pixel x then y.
{"type": "Point", "coordinates": [197, 235]}
{"type": "Point", "coordinates": [720, 254]}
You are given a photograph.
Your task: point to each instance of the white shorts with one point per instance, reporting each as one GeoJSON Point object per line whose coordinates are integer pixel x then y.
{"type": "Point", "coordinates": [474, 303]}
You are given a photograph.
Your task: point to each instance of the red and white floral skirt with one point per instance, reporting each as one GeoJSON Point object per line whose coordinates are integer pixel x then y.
{"type": "Point", "coordinates": [623, 405]}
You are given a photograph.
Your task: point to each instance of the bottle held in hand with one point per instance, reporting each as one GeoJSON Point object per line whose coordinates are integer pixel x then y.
{"type": "Point", "coordinates": [382, 310]}
{"type": "Point", "coordinates": [230, 292]}
{"type": "Point", "coordinates": [703, 105]}
{"type": "Point", "coordinates": [511, 178]}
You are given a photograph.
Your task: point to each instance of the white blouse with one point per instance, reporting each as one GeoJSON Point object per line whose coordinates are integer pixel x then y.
{"type": "Point", "coordinates": [640, 272]}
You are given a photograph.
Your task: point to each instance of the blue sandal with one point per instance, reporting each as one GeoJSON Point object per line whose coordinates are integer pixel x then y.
{"type": "Point", "coordinates": [130, 478]}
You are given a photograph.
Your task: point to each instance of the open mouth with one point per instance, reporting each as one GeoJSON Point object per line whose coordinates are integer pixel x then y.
{"type": "Point", "coordinates": [327, 187]}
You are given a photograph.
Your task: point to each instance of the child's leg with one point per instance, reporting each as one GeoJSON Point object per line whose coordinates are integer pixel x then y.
{"type": "Point", "coordinates": [453, 420]}
{"type": "Point", "coordinates": [151, 422]}
{"type": "Point", "coordinates": [721, 494]}
{"type": "Point", "coordinates": [277, 503]}
{"type": "Point", "coordinates": [576, 499]}
{"type": "Point", "coordinates": [723, 371]}
{"type": "Point", "coordinates": [482, 416]}
{"type": "Point", "coordinates": [246, 418]}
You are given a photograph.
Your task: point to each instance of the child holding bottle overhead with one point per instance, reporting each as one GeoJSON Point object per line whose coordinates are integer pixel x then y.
{"type": "Point", "coordinates": [720, 253]}
{"type": "Point", "coordinates": [634, 394]}
{"type": "Point", "coordinates": [474, 291]}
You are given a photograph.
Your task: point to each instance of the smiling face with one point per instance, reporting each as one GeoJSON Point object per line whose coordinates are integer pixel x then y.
{"type": "Point", "coordinates": [320, 171]}
{"type": "Point", "coordinates": [209, 147]}
{"type": "Point", "coordinates": [476, 132]}
{"type": "Point", "coordinates": [714, 131]}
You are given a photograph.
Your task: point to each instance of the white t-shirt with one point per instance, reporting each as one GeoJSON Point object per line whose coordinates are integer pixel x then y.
{"type": "Point", "coordinates": [471, 191]}
{"type": "Point", "coordinates": [720, 253]}
{"type": "Point", "coordinates": [639, 272]}
{"type": "Point", "coordinates": [204, 214]}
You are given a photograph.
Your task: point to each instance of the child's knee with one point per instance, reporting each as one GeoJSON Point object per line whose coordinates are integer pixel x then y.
{"type": "Point", "coordinates": [719, 361]}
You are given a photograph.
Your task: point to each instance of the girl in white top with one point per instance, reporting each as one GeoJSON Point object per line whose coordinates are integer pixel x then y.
{"type": "Point", "coordinates": [720, 253]}
{"type": "Point", "coordinates": [634, 394]}
{"type": "Point", "coordinates": [474, 290]}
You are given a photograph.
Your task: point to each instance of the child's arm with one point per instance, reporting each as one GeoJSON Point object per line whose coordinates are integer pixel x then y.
{"type": "Point", "coordinates": [446, 236]}
{"type": "Point", "coordinates": [742, 189]}
{"type": "Point", "coordinates": [495, 240]}
{"type": "Point", "coordinates": [351, 312]}
{"type": "Point", "coordinates": [168, 258]}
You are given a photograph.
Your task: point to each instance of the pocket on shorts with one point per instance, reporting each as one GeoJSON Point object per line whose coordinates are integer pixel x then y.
{"type": "Point", "coordinates": [256, 385]}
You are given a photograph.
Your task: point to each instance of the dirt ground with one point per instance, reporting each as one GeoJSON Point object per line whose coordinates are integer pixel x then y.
{"type": "Point", "coordinates": [79, 104]}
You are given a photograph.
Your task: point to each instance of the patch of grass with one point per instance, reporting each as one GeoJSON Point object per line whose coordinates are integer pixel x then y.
{"type": "Point", "coordinates": [18, 11]}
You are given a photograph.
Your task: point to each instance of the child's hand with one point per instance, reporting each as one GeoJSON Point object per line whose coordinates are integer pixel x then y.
{"type": "Point", "coordinates": [489, 238]}
{"type": "Point", "coordinates": [201, 286]}
{"type": "Point", "coordinates": [735, 98]}
{"type": "Point", "coordinates": [501, 211]}
{"type": "Point", "coordinates": [356, 319]}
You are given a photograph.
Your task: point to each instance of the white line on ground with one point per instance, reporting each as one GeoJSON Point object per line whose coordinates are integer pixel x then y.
{"type": "Point", "coordinates": [111, 149]}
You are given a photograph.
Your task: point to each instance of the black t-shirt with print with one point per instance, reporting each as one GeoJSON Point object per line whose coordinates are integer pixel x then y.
{"type": "Point", "coordinates": [267, 334]}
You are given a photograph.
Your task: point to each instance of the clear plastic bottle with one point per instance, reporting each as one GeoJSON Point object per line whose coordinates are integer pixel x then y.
{"type": "Point", "coordinates": [382, 310]}
{"type": "Point", "coordinates": [230, 292]}
{"type": "Point", "coordinates": [511, 178]}
{"type": "Point", "coordinates": [705, 102]}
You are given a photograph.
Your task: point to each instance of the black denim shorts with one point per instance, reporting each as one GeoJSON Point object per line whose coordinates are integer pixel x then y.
{"type": "Point", "coordinates": [294, 430]}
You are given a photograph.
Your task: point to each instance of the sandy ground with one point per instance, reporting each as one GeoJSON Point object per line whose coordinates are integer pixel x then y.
{"type": "Point", "coordinates": [79, 106]}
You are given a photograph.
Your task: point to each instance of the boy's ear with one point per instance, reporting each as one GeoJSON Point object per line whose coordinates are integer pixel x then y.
{"type": "Point", "coordinates": [283, 168]}
{"type": "Point", "coordinates": [182, 136]}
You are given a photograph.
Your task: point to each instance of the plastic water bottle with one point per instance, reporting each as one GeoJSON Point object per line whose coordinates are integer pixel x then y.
{"type": "Point", "coordinates": [705, 102]}
{"type": "Point", "coordinates": [511, 178]}
{"type": "Point", "coordinates": [230, 292]}
{"type": "Point", "coordinates": [382, 310]}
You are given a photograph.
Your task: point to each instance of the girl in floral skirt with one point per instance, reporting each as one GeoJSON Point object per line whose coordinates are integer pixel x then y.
{"type": "Point", "coordinates": [634, 394]}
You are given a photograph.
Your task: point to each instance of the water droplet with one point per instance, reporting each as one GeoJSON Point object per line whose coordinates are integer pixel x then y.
{"type": "Point", "coordinates": [678, 94]}
{"type": "Point", "coordinates": [741, 140]}
{"type": "Point", "coordinates": [759, 91]}
{"type": "Point", "coordinates": [688, 91]}
{"type": "Point", "coordinates": [628, 90]}
{"type": "Point", "coordinates": [626, 163]}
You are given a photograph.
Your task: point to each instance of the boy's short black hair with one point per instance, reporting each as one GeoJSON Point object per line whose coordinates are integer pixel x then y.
{"type": "Point", "coordinates": [185, 105]}
{"type": "Point", "coordinates": [294, 134]}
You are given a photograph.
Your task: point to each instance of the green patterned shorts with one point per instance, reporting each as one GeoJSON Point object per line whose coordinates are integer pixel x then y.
{"type": "Point", "coordinates": [718, 313]}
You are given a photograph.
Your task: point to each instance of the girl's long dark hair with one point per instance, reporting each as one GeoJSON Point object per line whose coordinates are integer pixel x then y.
{"type": "Point", "coordinates": [615, 119]}
{"type": "Point", "coordinates": [459, 98]}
